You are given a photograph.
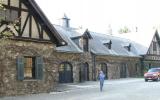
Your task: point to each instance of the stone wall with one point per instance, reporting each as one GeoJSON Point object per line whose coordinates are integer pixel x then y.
{"type": "Point", "coordinates": [114, 64]}
{"type": "Point", "coordinates": [9, 51]}
{"type": "Point", "coordinates": [71, 58]}
{"type": "Point", "coordinates": [75, 59]}
{"type": "Point", "coordinates": [87, 58]}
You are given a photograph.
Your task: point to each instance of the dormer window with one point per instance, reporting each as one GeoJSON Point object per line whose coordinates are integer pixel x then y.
{"type": "Point", "coordinates": [108, 44]}
{"type": "Point", "coordinates": [85, 44]}
{"type": "Point", "coordinates": [128, 47]}
{"type": "Point", "coordinates": [81, 42]}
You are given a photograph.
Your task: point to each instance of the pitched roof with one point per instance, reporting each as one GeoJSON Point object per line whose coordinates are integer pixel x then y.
{"type": "Point", "coordinates": [96, 43]}
{"type": "Point", "coordinates": [59, 41]}
{"type": "Point", "coordinates": [67, 34]}
{"type": "Point", "coordinates": [117, 47]}
{"type": "Point", "coordinates": [143, 37]}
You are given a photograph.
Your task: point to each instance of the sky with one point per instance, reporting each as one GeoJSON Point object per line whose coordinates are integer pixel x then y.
{"type": "Point", "coordinates": [97, 15]}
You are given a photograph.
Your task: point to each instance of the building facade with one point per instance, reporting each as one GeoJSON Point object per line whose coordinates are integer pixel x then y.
{"type": "Point", "coordinates": [117, 57]}
{"type": "Point", "coordinates": [35, 55]}
{"type": "Point", "coordinates": [152, 57]}
{"type": "Point", "coordinates": [27, 45]}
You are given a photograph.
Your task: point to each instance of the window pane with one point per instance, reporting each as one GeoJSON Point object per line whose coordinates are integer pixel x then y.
{"type": "Point", "coordinates": [28, 68]}
{"type": "Point", "coordinates": [85, 44]}
{"type": "Point", "coordinates": [61, 68]}
{"type": "Point", "coordinates": [68, 68]}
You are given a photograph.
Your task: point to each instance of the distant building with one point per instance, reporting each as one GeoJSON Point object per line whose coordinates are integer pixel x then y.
{"type": "Point", "coordinates": [151, 50]}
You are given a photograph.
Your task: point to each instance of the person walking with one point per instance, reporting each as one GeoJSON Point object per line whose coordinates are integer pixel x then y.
{"type": "Point", "coordinates": [101, 80]}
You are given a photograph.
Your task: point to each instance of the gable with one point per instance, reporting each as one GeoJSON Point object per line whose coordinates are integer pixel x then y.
{"type": "Point", "coordinates": [154, 48]}
{"type": "Point", "coordinates": [28, 22]}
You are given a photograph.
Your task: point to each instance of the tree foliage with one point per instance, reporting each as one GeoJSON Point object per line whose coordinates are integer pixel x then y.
{"type": "Point", "coordinates": [124, 30]}
{"type": "Point", "coordinates": [8, 33]}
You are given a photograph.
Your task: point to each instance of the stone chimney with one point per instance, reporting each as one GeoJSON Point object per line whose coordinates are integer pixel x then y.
{"type": "Point", "coordinates": [109, 29]}
{"type": "Point", "coordinates": [136, 29]}
{"type": "Point", "coordinates": [65, 21]}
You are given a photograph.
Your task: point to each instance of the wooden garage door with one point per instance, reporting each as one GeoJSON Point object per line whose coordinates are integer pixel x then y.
{"type": "Point", "coordinates": [65, 73]}
{"type": "Point", "coordinates": [84, 72]}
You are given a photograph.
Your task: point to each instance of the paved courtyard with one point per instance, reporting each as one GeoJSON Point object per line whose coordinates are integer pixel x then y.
{"type": "Point", "coordinates": [121, 89]}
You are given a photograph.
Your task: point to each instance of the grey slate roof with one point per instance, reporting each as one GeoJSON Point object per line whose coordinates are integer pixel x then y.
{"type": "Point", "coordinates": [97, 45]}
{"type": "Point", "coordinates": [67, 34]}
{"type": "Point", "coordinates": [142, 37]}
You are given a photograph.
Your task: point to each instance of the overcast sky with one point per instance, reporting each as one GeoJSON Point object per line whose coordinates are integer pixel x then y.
{"type": "Point", "coordinates": [96, 15]}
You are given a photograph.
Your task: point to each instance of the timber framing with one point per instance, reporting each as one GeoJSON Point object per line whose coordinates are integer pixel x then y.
{"type": "Point", "coordinates": [32, 23]}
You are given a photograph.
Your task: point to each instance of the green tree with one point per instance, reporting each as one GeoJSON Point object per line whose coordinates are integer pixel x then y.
{"type": "Point", "coordinates": [124, 30]}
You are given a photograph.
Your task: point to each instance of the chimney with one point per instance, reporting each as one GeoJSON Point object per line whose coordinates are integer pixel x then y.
{"type": "Point", "coordinates": [136, 29]}
{"type": "Point", "coordinates": [65, 21]}
{"type": "Point", "coordinates": [109, 29]}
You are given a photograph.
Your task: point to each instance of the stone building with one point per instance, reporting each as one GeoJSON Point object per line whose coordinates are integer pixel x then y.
{"type": "Point", "coordinates": [117, 57]}
{"type": "Point", "coordinates": [37, 55]}
{"type": "Point", "coordinates": [151, 50]}
{"type": "Point", "coordinates": [27, 61]}
{"type": "Point", "coordinates": [78, 47]}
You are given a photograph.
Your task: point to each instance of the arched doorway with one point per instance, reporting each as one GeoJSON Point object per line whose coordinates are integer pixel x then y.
{"type": "Point", "coordinates": [84, 72]}
{"type": "Point", "coordinates": [104, 68]}
{"type": "Point", "coordinates": [65, 73]}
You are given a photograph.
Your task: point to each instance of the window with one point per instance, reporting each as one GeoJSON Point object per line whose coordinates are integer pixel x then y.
{"type": "Point", "coordinates": [154, 46]}
{"type": "Point", "coordinates": [85, 44]}
{"type": "Point", "coordinates": [78, 41]}
{"type": "Point", "coordinates": [108, 44]}
{"type": "Point", "coordinates": [128, 47]}
{"type": "Point", "coordinates": [9, 15]}
{"type": "Point", "coordinates": [61, 68]}
{"type": "Point", "coordinates": [29, 68]}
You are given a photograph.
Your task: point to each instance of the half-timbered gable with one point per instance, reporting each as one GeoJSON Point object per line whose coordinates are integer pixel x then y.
{"type": "Point", "coordinates": [28, 54]}
{"type": "Point", "coordinates": [154, 48]}
{"type": "Point", "coordinates": [152, 57]}
{"type": "Point", "coordinates": [27, 22]}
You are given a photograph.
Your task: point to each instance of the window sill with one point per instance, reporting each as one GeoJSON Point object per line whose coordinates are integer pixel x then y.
{"type": "Point", "coordinates": [30, 80]}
